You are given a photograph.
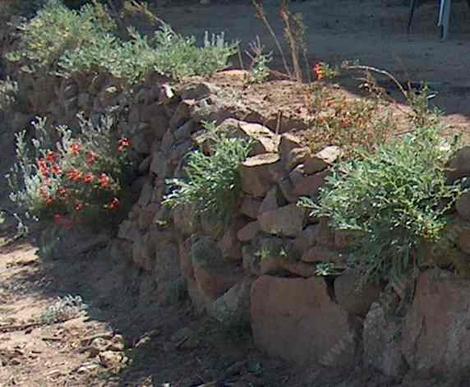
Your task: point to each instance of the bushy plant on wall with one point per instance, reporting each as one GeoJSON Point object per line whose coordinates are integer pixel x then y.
{"type": "Point", "coordinates": [212, 185]}
{"type": "Point", "coordinates": [78, 179]}
{"type": "Point", "coordinates": [394, 200]}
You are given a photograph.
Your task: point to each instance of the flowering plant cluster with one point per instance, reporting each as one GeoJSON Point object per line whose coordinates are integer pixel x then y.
{"type": "Point", "coordinates": [75, 180]}
{"type": "Point", "coordinates": [323, 71]}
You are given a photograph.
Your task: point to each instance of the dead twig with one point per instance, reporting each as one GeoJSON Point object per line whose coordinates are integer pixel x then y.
{"type": "Point", "coordinates": [261, 15]}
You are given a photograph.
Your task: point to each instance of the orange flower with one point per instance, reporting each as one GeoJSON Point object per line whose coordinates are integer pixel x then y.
{"type": "Point", "coordinates": [105, 181]}
{"type": "Point", "coordinates": [91, 158]}
{"type": "Point", "coordinates": [89, 178]}
{"type": "Point", "coordinates": [75, 148]}
{"type": "Point", "coordinates": [319, 71]}
{"type": "Point", "coordinates": [74, 175]}
{"type": "Point", "coordinates": [123, 144]}
{"type": "Point", "coordinates": [114, 204]}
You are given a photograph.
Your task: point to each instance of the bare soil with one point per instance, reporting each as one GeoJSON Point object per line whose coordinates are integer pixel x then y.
{"type": "Point", "coordinates": [160, 344]}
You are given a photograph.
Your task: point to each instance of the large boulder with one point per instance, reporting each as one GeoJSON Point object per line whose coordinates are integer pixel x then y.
{"type": "Point", "coordinates": [295, 319]}
{"type": "Point", "coordinates": [436, 335]}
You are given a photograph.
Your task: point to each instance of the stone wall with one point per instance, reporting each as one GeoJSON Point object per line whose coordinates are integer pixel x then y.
{"type": "Point", "coordinates": [261, 269]}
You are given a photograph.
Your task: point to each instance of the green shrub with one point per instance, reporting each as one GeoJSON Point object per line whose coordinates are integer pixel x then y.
{"type": "Point", "coordinates": [76, 179]}
{"type": "Point", "coordinates": [67, 41]}
{"type": "Point", "coordinates": [166, 53]}
{"type": "Point", "coordinates": [55, 30]}
{"type": "Point", "coordinates": [213, 181]}
{"type": "Point", "coordinates": [395, 199]}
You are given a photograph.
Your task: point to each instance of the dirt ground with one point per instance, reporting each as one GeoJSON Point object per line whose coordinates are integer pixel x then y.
{"type": "Point", "coordinates": [123, 338]}
{"type": "Point", "coordinates": [370, 31]}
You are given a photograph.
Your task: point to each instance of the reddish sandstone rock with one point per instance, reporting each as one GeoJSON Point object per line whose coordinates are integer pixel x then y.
{"type": "Point", "coordinates": [186, 264]}
{"type": "Point", "coordinates": [214, 275]}
{"type": "Point", "coordinates": [229, 244]}
{"type": "Point", "coordinates": [232, 309]}
{"type": "Point", "coordinates": [381, 342]}
{"type": "Point", "coordinates": [308, 185]}
{"type": "Point", "coordinates": [322, 160]}
{"type": "Point", "coordinates": [321, 254]}
{"type": "Point", "coordinates": [353, 294]}
{"type": "Point", "coordinates": [250, 207]}
{"type": "Point", "coordinates": [248, 232]}
{"type": "Point", "coordinates": [307, 239]}
{"type": "Point", "coordinates": [262, 139]}
{"type": "Point", "coordinates": [284, 221]}
{"type": "Point", "coordinates": [459, 165]}
{"type": "Point", "coordinates": [436, 338]}
{"type": "Point", "coordinates": [270, 201]}
{"type": "Point", "coordinates": [258, 173]}
{"type": "Point", "coordinates": [326, 235]}
{"type": "Point", "coordinates": [215, 281]}
{"type": "Point", "coordinates": [464, 241]}
{"type": "Point", "coordinates": [288, 143]}
{"type": "Point", "coordinates": [292, 150]}
{"type": "Point", "coordinates": [295, 319]}
{"type": "Point", "coordinates": [463, 206]}
{"type": "Point", "coordinates": [181, 114]}
{"type": "Point", "coordinates": [143, 252]}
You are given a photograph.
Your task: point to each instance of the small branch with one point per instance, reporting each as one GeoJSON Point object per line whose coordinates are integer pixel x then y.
{"type": "Point", "coordinates": [383, 72]}
{"type": "Point", "coordinates": [261, 15]}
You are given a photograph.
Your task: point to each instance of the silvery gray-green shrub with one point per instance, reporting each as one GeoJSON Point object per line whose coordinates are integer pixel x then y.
{"type": "Point", "coordinates": [212, 185]}
{"type": "Point", "coordinates": [64, 41]}
{"type": "Point", "coordinates": [394, 199]}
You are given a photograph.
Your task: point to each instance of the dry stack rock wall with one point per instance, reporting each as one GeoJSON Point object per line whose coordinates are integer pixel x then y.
{"type": "Point", "coordinates": [261, 268]}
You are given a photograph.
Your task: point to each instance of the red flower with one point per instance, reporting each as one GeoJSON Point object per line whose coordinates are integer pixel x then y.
{"type": "Point", "coordinates": [89, 178]}
{"type": "Point", "coordinates": [63, 193]}
{"type": "Point", "coordinates": [114, 204]}
{"type": "Point", "coordinates": [43, 168]}
{"type": "Point", "coordinates": [91, 158]}
{"type": "Point", "coordinates": [56, 170]}
{"type": "Point", "coordinates": [52, 157]}
{"type": "Point", "coordinates": [75, 175]}
{"type": "Point", "coordinates": [123, 144]}
{"type": "Point", "coordinates": [105, 181]}
{"type": "Point", "coordinates": [49, 201]}
{"type": "Point", "coordinates": [75, 148]}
